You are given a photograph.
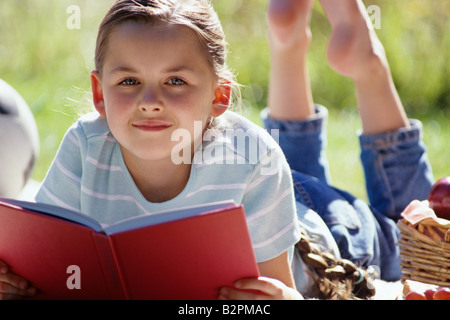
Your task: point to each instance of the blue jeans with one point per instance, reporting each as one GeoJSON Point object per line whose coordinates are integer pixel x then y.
{"type": "Point", "coordinates": [396, 170]}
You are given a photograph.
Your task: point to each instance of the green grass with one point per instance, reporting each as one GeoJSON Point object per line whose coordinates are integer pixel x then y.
{"type": "Point", "coordinates": [49, 65]}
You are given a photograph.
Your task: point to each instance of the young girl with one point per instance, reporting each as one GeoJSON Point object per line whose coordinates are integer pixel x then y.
{"type": "Point", "coordinates": [160, 75]}
{"type": "Point", "coordinates": [393, 155]}
{"type": "Point", "coordinates": [106, 164]}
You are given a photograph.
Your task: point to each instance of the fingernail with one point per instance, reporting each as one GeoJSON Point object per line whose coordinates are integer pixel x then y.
{"type": "Point", "coordinates": [23, 284]}
{"type": "Point", "coordinates": [4, 269]}
{"type": "Point", "coordinates": [223, 291]}
{"type": "Point", "coordinates": [31, 291]}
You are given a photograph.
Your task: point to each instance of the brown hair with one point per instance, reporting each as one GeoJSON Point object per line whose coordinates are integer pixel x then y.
{"type": "Point", "coordinates": [334, 278]}
{"type": "Point", "coordinates": [197, 15]}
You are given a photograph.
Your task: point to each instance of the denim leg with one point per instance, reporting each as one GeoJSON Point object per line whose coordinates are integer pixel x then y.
{"type": "Point", "coordinates": [351, 226]}
{"type": "Point", "coordinates": [303, 142]}
{"type": "Point", "coordinates": [361, 234]}
{"type": "Point", "coordinates": [388, 235]}
{"type": "Point", "coordinates": [364, 233]}
{"type": "Point", "coordinates": [396, 169]}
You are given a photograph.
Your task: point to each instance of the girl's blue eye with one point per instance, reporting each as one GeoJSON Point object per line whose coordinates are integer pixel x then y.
{"type": "Point", "coordinates": [129, 82]}
{"type": "Point", "coordinates": [176, 82]}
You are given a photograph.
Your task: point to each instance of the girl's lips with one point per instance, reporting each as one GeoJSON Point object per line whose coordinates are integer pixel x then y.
{"type": "Point", "coordinates": [151, 125]}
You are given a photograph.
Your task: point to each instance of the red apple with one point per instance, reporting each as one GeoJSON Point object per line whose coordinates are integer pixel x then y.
{"type": "Point", "coordinates": [442, 294]}
{"type": "Point", "coordinates": [439, 198]}
{"type": "Point", "coordinates": [414, 295]}
{"type": "Point", "coordinates": [429, 293]}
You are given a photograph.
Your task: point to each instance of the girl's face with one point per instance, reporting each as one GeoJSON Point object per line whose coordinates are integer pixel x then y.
{"type": "Point", "coordinates": [155, 80]}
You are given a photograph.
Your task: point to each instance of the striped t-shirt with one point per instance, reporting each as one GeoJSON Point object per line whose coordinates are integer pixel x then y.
{"type": "Point", "coordinates": [237, 161]}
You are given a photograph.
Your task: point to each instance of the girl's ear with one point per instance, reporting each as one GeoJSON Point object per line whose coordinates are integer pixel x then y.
{"type": "Point", "coordinates": [97, 93]}
{"type": "Point", "coordinates": [222, 98]}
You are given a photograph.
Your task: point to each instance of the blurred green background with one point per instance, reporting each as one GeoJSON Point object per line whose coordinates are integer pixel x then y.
{"type": "Point", "coordinates": [48, 62]}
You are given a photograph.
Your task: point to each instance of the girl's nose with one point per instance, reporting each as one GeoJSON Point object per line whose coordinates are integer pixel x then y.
{"type": "Point", "coordinates": [151, 101]}
{"type": "Point", "coordinates": [145, 108]}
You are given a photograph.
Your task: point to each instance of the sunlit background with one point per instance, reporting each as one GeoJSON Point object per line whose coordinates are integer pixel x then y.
{"type": "Point", "coordinates": [48, 59]}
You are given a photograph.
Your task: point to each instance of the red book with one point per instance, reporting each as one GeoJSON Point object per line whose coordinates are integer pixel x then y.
{"type": "Point", "coordinates": [184, 254]}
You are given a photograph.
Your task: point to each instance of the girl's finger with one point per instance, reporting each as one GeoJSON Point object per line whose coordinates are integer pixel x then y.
{"type": "Point", "coordinates": [8, 291]}
{"type": "Point", "coordinates": [271, 287]}
{"type": "Point", "coordinates": [3, 267]}
{"type": "Point", "coordinates": [14, 280]}
{"type": "Point", "coordinates": [236, 294]}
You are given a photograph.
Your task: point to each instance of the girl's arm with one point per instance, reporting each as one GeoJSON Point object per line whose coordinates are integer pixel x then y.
{"type": "Point", "coordinates": [62, 183]}
{"type": "Point", "coordinates": [276, 282]}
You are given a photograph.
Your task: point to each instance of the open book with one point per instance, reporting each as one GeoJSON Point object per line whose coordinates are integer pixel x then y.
{"type": "Point", "coordinates": [187, 253]}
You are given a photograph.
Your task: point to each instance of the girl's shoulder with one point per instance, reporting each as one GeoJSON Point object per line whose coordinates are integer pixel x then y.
{"type": "Point", "coordinates": [236, 125]}
{"type": "Point", "coordinates": [91, 125]}
{"type": "Point", "coordinates": [242, 137]}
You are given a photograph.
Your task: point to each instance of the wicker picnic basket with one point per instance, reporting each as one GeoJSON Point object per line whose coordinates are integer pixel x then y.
{"type": "Point", "coordinates": [425, 251]}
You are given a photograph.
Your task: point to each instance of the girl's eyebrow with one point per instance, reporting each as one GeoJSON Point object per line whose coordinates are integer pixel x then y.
{"type": "Point", "coordinates": [123, 69]}
{"type": "Point", "coordinates": [179, 69]}
{"type": "Point", "coordinates": [175, 69]}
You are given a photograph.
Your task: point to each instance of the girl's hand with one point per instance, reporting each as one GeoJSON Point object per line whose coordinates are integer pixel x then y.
{"type": "Point", "coordinates": [261, 288]}
{"type": "Point", "coordinates": [12, 286]}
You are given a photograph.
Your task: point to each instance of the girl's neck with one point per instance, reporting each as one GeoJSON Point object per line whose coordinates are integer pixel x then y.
{"type": "Point", "coordinates": [160, 180]}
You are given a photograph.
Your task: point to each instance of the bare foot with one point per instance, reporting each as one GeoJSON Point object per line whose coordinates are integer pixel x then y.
{"type": "Point", "coordinates": [289, 21]}
{"type": "Point", "coordinates": [289, 95]}
{"type": "Point", "coordinates": [354, 49]}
